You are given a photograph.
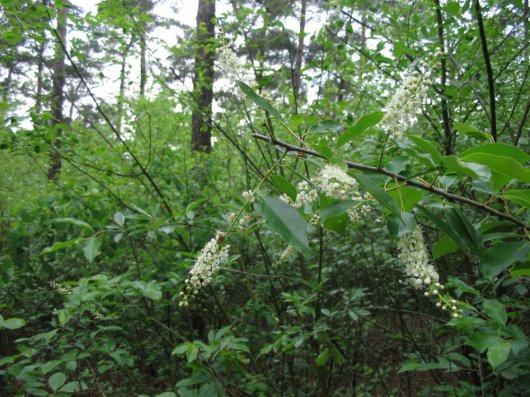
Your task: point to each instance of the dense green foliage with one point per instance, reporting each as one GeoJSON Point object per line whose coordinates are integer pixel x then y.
{"type": "Point", "coordinates": [410, 117]}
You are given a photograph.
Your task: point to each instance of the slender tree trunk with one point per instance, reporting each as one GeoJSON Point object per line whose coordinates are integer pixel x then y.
{"type": "Point", "coordinates": [123, 75]}
{"type": "Point", "coordinates": [203, 78]}
{"type": "Point", "coordinates": [448, 136]}
{"type": "Point", "coordinates": [297, 75]}
{"type": "Point", "coordinates": [8, 80]}
{"type": "Point", "coordinates": [58, 88]}
{"type": "Point", "coordinates": [143, 65]}
{"type": "Point", "coordinates": [40, 77]}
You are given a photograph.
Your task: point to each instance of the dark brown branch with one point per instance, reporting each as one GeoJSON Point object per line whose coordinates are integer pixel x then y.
{"type": "Point", "coordinates": [489, 70]}
{"type": "Point", "coordinates": [401, 178]}
{"type": "Point", "coordinates": [448, 145]}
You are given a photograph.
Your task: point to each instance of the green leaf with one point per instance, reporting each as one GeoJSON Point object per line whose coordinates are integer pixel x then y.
{"type": "Point", "coordinates": [152, 291]}
{"type": "Point", "coordinates": [166, 394]}
{"type": "Point", "coordinates": [501, 256]}
{"type": "Point", "coordinates": [73, 387]}
{"type": "Point", "coordinates": [452, 163]}
{"type": "Point", "coordinates": [519, 196]}
{"type": "Point", "coordinates": [499, 149]}
{"type": "Point", "coordinates": [464, 230]}
{"type": "Point", "coordinates": [59, 245]}
{"type": "Point", "coordinates": [398, 226]}
{"type": "Point", "coordinates": [364, 122]}
{"type": "Point", "coordinates": [260, 101]}
{"type": "Point", "coordinates": [12, 323]}
{"type": "Point", "coordinates": [427, 147]}
{"type": "Point", "coordinates": [283, 185]}
{"type": "Point", "coordinates": [502, 165]}
{"type": "Point", "coordinates": [286, 221]}
{"type": "Point", "coordinates": [443, 246]}
{"type": "Point", "coordinates": [472, 132]}
{"type": "Point", "coordinates": [119, 218]}
{"type": "Point", "coordinates": [57, 380]}
{"type": "Point", "coordinates": [379, 193]}
{"type": "Point", "coordinates": [498, 353]}
{"type": "Point", "coordinates": [92, 248]}
{"type": "Point", "coordinates": [407, 196]}
{"type": "Point", "coordinates": [326, 126]}
{"type": "Point", "coordinates": [334, 209]}
{"type": "Point", "coordinates": [322, 358]}
{"type": "Point", "coordinates": [481, 340]}
{"type": "Point", "coordinates": [495, 310]}
{"type": "Point", "coordinates": [76, 222]}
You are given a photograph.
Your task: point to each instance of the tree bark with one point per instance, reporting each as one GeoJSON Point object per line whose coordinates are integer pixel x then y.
{"type": "Point", "coordinates": [58, 88]}
{"type": "Point", "coordinates": [201, 134]}
{"type": "Point", "coordinates": [297, 75]}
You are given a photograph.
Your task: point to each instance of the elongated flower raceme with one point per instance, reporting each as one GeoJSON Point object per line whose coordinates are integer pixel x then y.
{"type": "Point", "coordinates": [206, 265]}
{"type": "Point", "coordinates": [335, 182]}
{"type": "Point", "coordinates": [413, 255]}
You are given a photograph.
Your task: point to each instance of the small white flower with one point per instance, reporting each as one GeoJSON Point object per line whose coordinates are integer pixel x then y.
{"type": "Point", "coordinates": [286, 199]}
{"type": "Point", "coordinates": [402, 109]}
{"type": "Point", "coordinates": [335, 182]}
{"type": "Point", "coordinates": [305, 194]}
{"type": "Point", "coordinates": [413, 255]}
{"type": "Point", "coordinates": [249, 196]}
{"type": "Point", "coordinates": [207, 264]}
{"type": "Point", "coordinates": [289, 251]}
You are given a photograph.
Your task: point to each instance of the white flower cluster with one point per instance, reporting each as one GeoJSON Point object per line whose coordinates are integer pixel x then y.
{"type": "Point", "coordinates": [357, 212]}
{"type": "Point", "coordinates": [249, 196]}
{"type": "Point", "coordinates": [402, 109]}
{"type": "Point", "coordinates": [284, 256]}
{"type": "Point", "coordinates": [230, 63]}
{"type": "Point", "coordinates": [206, 265]}
{"type": "Point", "coordinates": [335, 182]}
{"type": "Point", "coordinates": [413, 255]}
{"type": "Point", "coordinates": [63, 289]}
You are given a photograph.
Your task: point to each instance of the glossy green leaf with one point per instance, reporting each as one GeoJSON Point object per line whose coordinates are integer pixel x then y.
{"type": "Point", "coordinates": [498, 353]}
{"type": "Point", "coordinates": [427, 147]}
{"type": "Point", "coordinates": [283, 186]}
{"type": "Point", "coordinates": [472, 132]}
{"type": "Point", "coordinates": [445, 245]}
{"type": "Point", "coordinates": [333, 208]}
{"type": "Point", "coordinates": [481, 340]}
{"type": "Point", "coordinates": [503, 255]}
{"type": "Point", "coordinates": [499, 149]}
{"type": "Point", "coordinates": [286, 221]}
{"type": "Point", "coordinates": [502, 165]}
{"type": "Point", "coordinates": [398, 226]}
{"type": "Point", "coordinates": [57, 380]}
{"type": "Point", "coordinates": [258, 100]}
{"type": "Point", "coordinates": [75, 222]}
{"type": "Point", "coordinates": [377, 192]}
{"type": "Point", "coordinates": [519, 196]}
{"type": "Point", "coordinates": [452, 163]}
{"type": "Point", "coordinates": [166, 394]}
{"type": "Point", "coordinates": [326, 126]}
{"type": "Point", "coordinates": [12, 323]}
{"type": "Point", "coordinates": [119, 218]}
{"type": "Point", "coordinates": [59, 245]}
{"type": "Point", "coordinates": [495, 310]}
{"type": "Point", "coordinates": [92, 248]}
{"type": "Point", "coordinates": [364, 122]}
{"type": "Point", "coordinates": [322, 358]}
{"type": "Point", "coordinates": [464, 230]}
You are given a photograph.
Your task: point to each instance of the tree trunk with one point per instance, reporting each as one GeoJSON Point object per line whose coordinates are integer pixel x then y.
{"type": "Point", "coordinates": [123, 78]}
{"type": "Point", "coordinates": [297, 75]}
{"type": "Point", "coordinates": [203, 78]}
{"type": "Point", "coordinates": [40, 77]}
{"type": "Point", "coordinates": [58, 88]}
